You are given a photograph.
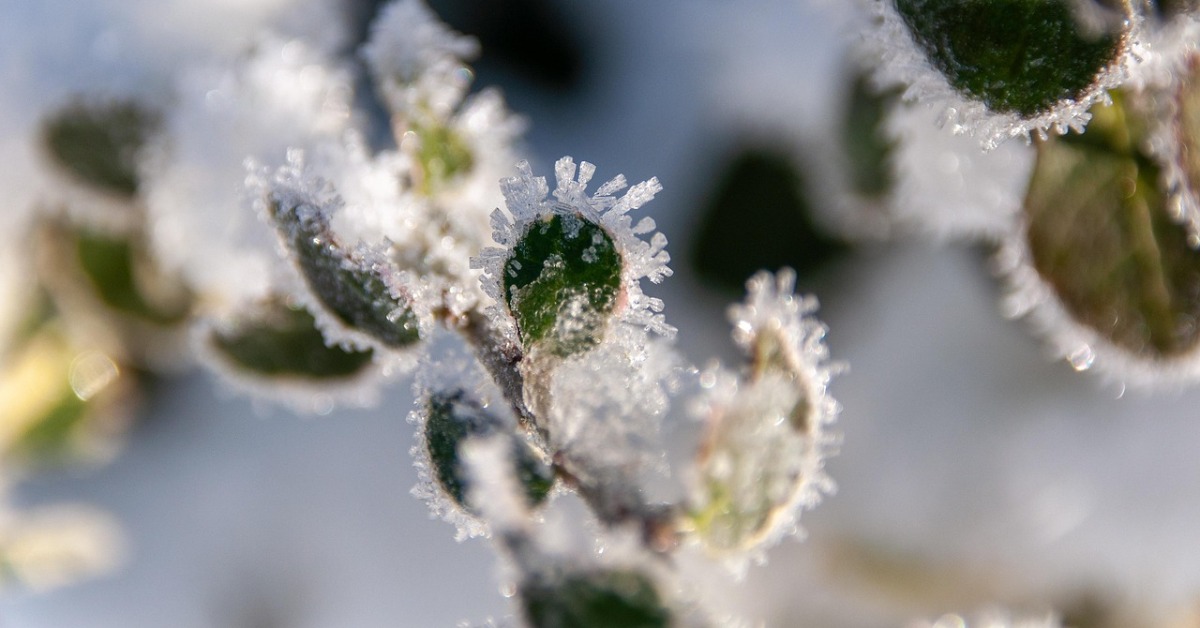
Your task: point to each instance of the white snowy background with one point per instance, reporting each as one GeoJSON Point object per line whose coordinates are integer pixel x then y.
{"type": "Point", "coordinates": [974, 470]}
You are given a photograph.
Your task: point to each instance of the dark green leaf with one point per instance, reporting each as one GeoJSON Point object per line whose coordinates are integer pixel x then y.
{"type": "Point", "coordinates": [593, 599]}
{"type": "Point", "coordinates": [281, 341]}
{"type": "Point", "coordinates": [1100, 234]}
{"type": "Point", "coordinates": [120, 273]}
{"type": "Point", "coordinates": [757, 218]}
{"type": "Point", "coordinates": [98, 143]}
{"type": "Point", "coordinates": [561, 284]}
{"type": "Point", "coordinates": [1016, 56]}
{"type": "Point", "coordinates": [452, 418]}
{"type": "Point", "coordinates": [345, 283]}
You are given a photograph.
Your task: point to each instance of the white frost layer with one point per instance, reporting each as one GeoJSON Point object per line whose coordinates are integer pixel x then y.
{"type": "Point", "coordinates": [946, 185]}
{"type": "Point", "coordinates": [283, 95]}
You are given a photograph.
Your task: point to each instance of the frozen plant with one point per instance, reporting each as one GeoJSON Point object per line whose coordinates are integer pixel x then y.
{"type": "Point", "coordinates": [544, 372]}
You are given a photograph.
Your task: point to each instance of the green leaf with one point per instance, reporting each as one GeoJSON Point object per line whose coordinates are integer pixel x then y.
{"type": "Point", "coordinates": [121, 271]}
{"type": "Point", "coordinates": [562, 283]}
{"type": "Point", "coordinates": [99, 143]}
{"type": "Point", "coordinates": [453, 417]}
{"type": "Point", "coordinates": [1016, 56]}
{"type": "Point", "coordinates": [443, 155]}
{"type": "Point", "coordinates": [593, 599]}
{"type": "Point", "coordinates": [346, 283]}
{"type": "Point", "coordinates": [282, 341]}
{"type": "Point", "coordinates": [867, 146]}
{"type": "Point", "coordinates": [1099, 232]}
{"type": "Point", "coordinates": [759, 217]}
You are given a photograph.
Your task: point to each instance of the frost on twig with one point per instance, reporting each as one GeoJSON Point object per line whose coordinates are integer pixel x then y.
{"type": "Point", "coordinates": [998, 70]}
{"type": "Point", "coordinates": [764, 455]}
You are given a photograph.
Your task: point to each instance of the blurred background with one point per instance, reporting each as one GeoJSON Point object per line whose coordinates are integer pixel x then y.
{"type": "Point", "coordinates": [975, 472]}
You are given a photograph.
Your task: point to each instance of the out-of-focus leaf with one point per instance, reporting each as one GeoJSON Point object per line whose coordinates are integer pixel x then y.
{"type": "Point", "coordinates": [281, 341]}
{"type": "Point", "coordinates": [593, 599]}
{"type": "Point", "coordinates": [867, 146]}
{"type": "Point", "coordinates": [443, 155]}
{"type": "Point", "coordinates": [758, 217]}
{"type": "Point", "coordinates": [1099, 232]}
{"type": "Point", "coordinates": [98, 143]}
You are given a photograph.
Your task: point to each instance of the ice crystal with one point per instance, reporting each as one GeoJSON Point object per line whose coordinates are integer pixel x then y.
{"type": "Point", "coordinates": [763, 459]}
{"type": "Point", "coordinates": [927, 77]}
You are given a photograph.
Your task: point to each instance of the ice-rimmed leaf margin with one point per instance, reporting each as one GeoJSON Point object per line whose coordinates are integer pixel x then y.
{"type": "Point", "coordinates": [1097, 263]}
{"type": "Point", "coordinates": [1005, 68]}
{"type": "Point", "coordinates": [358, 287]}
{"type": "Point", "coordinates": [763, 458]}
{"type": "Point", "coordinates": [451, 417]}
{"type": "Point", "coordinates": [273, 349]}
{"type": "Point", "coordinates": [605, 220]}
{"type": "Point", "coordinates": [360, 299]}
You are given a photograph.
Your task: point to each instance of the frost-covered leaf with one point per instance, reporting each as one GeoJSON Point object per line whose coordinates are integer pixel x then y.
{"type": "Point", "coordinates": [355, 286]}
{"type": "Point", "coordinates": [1016, 56]}
{"type": "Point", "coordinates": [600, 598]}
{"type": "Point", "coordinates": [99, 143]}
{"type": "Point", "coordinates": [1100, 234]}
{"type": "Point", "coordinates": [452, 418]}
{"type": "Point", "coordinates": [281, 341]}
{"type": "Point", "coordinates": [562, 282]}
{"type": "Point", "coordinates": [763, 457]}
{"type": "Point", "coordinates": [1173, 8]}
{"type": "Point", "coordinates": [568, 281]}
{"type": "Point", "coordinates": [759, 217]}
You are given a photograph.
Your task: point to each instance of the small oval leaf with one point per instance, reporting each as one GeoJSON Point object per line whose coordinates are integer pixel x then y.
{"type": "Point", "coordinates": [1016, 56]}
{"type": "Point", "coordinates": [281, 341]}
{"type": "Point", "coordinates": [1100, 234]}
{"type": "Point", "coordinates": [593, 599]}
{"type": "Point", "coordinates": [347, 284]}
{"type": "Point", "coordinates": [562, 283]}
{"type": "Point", "coordinates": [452, 418]}
{"type": "Point", "coordinates": [99, 143]}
